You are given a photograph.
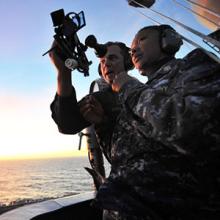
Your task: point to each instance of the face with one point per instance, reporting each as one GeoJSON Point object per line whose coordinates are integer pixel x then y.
{"type": "Point", "coordinates": [112, 63]}
{"type": "Point", "coordinates": [145, 49]}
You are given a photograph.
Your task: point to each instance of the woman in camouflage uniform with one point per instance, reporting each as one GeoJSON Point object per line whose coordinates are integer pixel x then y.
{"type": "Point", "coordinates": [166, 142]}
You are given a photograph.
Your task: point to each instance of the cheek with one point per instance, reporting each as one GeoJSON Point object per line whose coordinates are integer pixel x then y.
{"type": "Point", "coordinates": [152, 51]}
{"type": "Point", "coordinates": [100, 70]}
{"type": "Point", "coordinates": [132, 59]}
{"type": "Point", "coordinates": [120, 66]}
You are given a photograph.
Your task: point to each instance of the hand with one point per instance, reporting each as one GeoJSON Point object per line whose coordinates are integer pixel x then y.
{"type": "Point", "coordinates": [64, 79]}
{"type": "Point", "coordinates": [92, 110]}
{"type": "Point", "coordinates": [119, 80]}
{"type": "Point", "coordinates": [56, 60]}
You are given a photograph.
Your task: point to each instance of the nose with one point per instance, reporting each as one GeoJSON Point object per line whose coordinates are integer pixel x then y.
{"type": "Point", "coordinates": [106, 63]}
{"type": "Point", "coordinates": [134, 50]}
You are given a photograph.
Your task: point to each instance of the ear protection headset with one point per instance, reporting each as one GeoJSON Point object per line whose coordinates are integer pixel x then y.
{"type": "Point", "coordinates": [170, 40]}
{"type": "Point", "coordinates": [125, 52]}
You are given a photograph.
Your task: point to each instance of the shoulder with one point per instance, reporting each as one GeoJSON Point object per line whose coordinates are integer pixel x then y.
{"type": "Point", "coordinates": [198, 56]}
{"type": "Point", "coordinates": [106, 97]}
{"type": "Point", "coordinates": [103, 94]}
{"type": "Point", "coordinates": [196, 66]}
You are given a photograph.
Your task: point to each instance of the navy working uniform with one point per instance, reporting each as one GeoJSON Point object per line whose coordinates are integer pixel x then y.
{"type": "Point", "coordinates": [166, 144]}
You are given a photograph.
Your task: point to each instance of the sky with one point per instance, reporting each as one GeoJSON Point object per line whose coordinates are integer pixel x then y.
{"type": "Point", "coordinates": [28, 80]}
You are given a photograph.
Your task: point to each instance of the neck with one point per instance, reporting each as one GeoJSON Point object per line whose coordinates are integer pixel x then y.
{"type": "Point", "coordinates": [148, 70]}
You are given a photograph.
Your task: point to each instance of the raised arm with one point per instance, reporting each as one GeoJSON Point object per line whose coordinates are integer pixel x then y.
{"type": "Point", "coordinates": [65, 110]}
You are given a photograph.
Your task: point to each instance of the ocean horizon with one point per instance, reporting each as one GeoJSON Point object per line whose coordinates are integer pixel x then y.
{"type": "Point", "coordinates": [33, 180]}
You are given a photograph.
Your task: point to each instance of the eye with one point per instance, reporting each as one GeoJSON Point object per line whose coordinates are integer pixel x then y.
{"type": "Point", "coordinates": [113, 57]}
{"type": "Point", "coordinates": [132, 51]}
{"type": "Point", "coordinates": [102, 61]}
{"type": "Point", "coordinates": [142, 39]}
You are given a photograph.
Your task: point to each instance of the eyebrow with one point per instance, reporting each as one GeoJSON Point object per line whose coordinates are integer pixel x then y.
{"type": "Point", "coordinates": [113, 55]}
{"type": "Point", "coordinates": [143, 35]}
{"type": "Point", "coordinates": [110, 56]}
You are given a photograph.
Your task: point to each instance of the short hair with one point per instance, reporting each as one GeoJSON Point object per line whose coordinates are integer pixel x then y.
{"type": "Point", "coordinates": [159, 28]}
{"type": "Point", "coordinates": [125, 51]}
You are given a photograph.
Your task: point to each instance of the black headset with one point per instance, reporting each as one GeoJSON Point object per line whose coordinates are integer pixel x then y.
{"type": "Point", "coordinates": [127, 57]}
{"type": "Point", "coordinates": [170, 40]}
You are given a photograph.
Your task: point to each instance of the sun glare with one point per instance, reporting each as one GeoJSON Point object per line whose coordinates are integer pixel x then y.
{"type": "Point", "coordinates": [31, 133]}
{"type": "Point", "coordinates": [44, 155]}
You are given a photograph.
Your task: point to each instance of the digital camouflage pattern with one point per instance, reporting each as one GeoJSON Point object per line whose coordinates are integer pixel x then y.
{"type": "Point", "coordinates": [166, 144]}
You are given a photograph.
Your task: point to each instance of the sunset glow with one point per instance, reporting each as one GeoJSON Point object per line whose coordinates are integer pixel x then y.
{"type": "Point", "coordinates": [25, 136]}
{"type": "Point", "coordinates": [28, 80]}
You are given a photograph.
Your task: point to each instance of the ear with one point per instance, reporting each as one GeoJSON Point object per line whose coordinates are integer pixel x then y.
{"type": "Point", "coordinates": [99, 70]}
{"type": "Point", "coordinates": [128, 61]}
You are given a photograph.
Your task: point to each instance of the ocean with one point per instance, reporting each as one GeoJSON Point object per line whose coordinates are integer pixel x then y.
{"type": "Point", "coordinates": [27, 181]}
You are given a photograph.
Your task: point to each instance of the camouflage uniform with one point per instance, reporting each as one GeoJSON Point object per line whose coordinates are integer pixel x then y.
{"type": "Point", "coordinates": [166, 144]}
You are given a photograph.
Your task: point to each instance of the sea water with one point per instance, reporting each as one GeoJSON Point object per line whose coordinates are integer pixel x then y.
{"type": "Point", "coordinates": [25, 181]}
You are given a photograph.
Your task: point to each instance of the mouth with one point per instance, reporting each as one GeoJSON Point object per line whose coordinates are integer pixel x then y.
{"type": "Point", "coordinates": [137, 58]}
{"type": "Point", "coordinates": [109, 73]}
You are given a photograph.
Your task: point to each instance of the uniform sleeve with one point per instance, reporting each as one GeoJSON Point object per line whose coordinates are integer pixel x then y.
{"type": "Point", "coordinates": [182, 111]}
{"type": "Point", "coordinates": [65, 113]}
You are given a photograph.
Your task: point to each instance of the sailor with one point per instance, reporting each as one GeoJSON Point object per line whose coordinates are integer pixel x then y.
{"type": "Point", "coordinates": [166, 142]}
{"type": "Point", "coordinates": [100, 108]}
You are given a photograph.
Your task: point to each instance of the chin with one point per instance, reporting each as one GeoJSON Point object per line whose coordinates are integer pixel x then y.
{"type": "Point", "coordinates": [141, 64]}
{"type": "Point", "coordinates": [141, 70]}
{"type": "Point", "coordinates": [110, 81]}
{"type": "Point", "coordinates": [137, 66]}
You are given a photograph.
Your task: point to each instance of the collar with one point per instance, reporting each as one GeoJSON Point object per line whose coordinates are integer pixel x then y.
{"type": "Point", "coordinates": [164, 66]}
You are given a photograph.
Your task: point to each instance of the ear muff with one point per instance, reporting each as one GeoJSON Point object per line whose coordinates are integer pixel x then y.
{"type": "Point", "coordinates": [128, 61]}
{"type": "Point", "coordinates": [99, 70]}
{"type": "Point", "coordinates": [171, 41]}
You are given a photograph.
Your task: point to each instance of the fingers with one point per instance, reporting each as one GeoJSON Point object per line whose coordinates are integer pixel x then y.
{"type": "Point", "coordinates": [54, 44]}
{"type": "Point", "coordinates": [55, 56]}
{"type": "Point", "coordinates": [91, 109]}
{"type": "Point", "coordinates": [86, 108]}
{"type": "Point", "coordinates": [92, 101]}
{"type": "Point", "coordinates": [89, 113]}
{"type": "Point", "coordinates": [84, 101]}
{"type": "Point", "coordinates": [95, 102]}
{"type": "Point", "coordinates": [119, 80]}
{"type": "Point", "coordinates": [52, 52]}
